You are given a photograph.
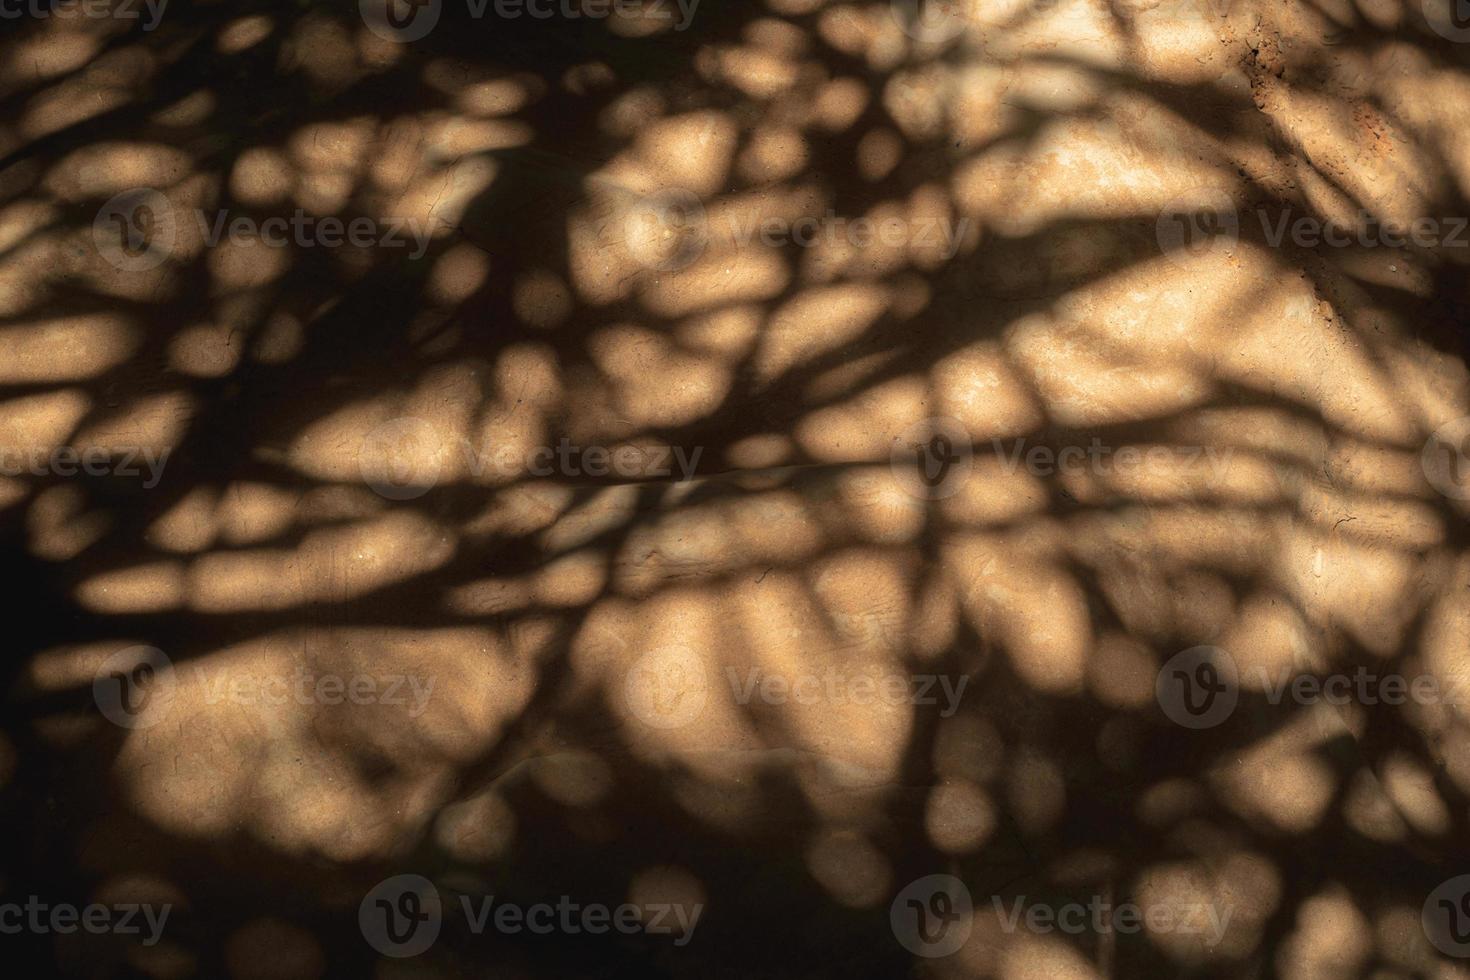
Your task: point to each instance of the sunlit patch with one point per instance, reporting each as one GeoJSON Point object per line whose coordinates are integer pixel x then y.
{"type": "Point", "coordinates": [481, 828]}
{"type": "Point", "coordinates": [854, 872]}
{"type": "Point", "coordinates": [244, 33]}
{"type": "Point", "coordinates": [959, 817]}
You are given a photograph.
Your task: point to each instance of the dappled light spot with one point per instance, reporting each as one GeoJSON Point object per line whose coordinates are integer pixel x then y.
{"type": "Point", "coordinates": [1369, 810]}
{"type": "Point", "coordinates": [1239, 888]}
{"type": "Point", "coordinates": [59, 525]}
{"type": "Point", "coordinates": [571, 778]}
{"type": "Point", "coordinates": [481, 828]}
{"type": "Point", "coordinates": [458, 273]}
{"type": "Point", "coordinates": [959, 817]}
{"type": "Point", "coordinates": [1044, 958]}
{"type": "Point", "coordinates": [847, 865]}
{"type": "Point", "coordinates": [64, 349]}
{"type": "Point", "coordinates": [189, 525]}
{"type": "Point", "coordinates": [668, 885]}
{"type": "Point", "coordinates": [572, 581]}
{"type": "Point", "coordinates": [1170, 802]}
{"type": "Point", "coordinates": [1411, 788]}
{"type": "Point", "coordinates": [1332, 938]}
{"type": "Point", "coordinates": [244, 33]}
{"type": "Point", "coordinates": [262, 175]}
{"type": "Point", "coordinates": [773, 153]}
{"type": "Point", "coordinates": [204, 351]}
{"type": "Point", "coordinates": [154, 587]}
{"type": "Point", "coordinates": [815, 322]}
{"type": "Point", "coordinates": [1034, 607]}
{"type": "Point", "coordinates": [331, 565]}
{"type": "Point", "coordinates": [1282, 780]}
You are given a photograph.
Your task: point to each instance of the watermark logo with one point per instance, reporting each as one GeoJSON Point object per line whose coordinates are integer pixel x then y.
{"type": "Point", "coordinates": [1450, 19]}
{"type": "Point", "coordinates": [123, 919]}
{"type": "Point", "coordinates": [667, 688]}
{"type": "Point", "coordinates": [933, 916]}
{"type": "Point", "coordinates": [404, 458]}
{"type": "Point", "coordinates": [932, 458]}
{"type": "Point", "coordinates": [1446, 459]}
{"type": "Point", "coordinates": [134, 688]}
{"type": "Point", "coordinates": [932, 21]}
{"type": "Point", "coordinates": [1196, 223]}
{"type": "Point", "coordinates": [667, 230]}
{"type": "Point", "coordinates": [1446, 917]}
{"type": "Point", "coordinates": [402, 916]}
{"type": "Point", "coordinates": [135, 230]}
{"type": "Point", "coordinates": [1199, 687]}
{"type": "Point", "coordinates": [401, 458]}
{"type": "Point", "coordinates": [400, 21]}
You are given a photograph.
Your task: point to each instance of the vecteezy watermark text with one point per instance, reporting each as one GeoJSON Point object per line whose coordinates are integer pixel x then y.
{"type": "Point", "coordinates": [404, 21]}
{"type": "Point", "coordinates": [403, 458]}
{"type": "Point", "coordinates": [839, 688]}
{"type": "Point", "coordinates": [1099, 458]}
{"type": "Point", "coordinates": [403, 915]}
{"type": "Point", "coordinates": [670, 229]}
{"type": "Point", "coordinates": [309, 687]}
{"type": "Point", "coordinates": [123, 919]}
{"type": "Point", "coordinates": [1200, 687]}
{"type": "Point", "coordinates": [1098, 915]}
{"type": "Point", "coordinates": [91, 460]}
{"type": "Point", "coordinates": [1205, 220]}
{"type": "Point", "coordinates": [135, 688]}
{"type": "Point", "coordinates": [138, 230]}
{"type": "Point", "coordinates": [669, 687]}
{"type": "Point", "coordinates": [91, 9]}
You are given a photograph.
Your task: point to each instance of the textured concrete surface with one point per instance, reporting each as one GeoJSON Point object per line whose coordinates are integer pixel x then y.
{"type": "Point", "coordinates": [743, 464]}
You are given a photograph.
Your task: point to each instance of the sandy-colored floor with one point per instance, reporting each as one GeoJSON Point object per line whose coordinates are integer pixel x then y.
{"type": "Point", "coordinates": [852, 486]}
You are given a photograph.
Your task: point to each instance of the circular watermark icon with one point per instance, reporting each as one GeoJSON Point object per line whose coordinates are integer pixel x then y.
{"type": "Point", "coordinates": [932, 916]}
{"type": "Point", "coordinates": [401, 916]}
{"type": "Point", "coordinates": [1446, 459]}
{"type": "Point", "coordinates": [401, 458]}
{"type": "Point", "coordinates": [1446, 916]}
{"type": "Point", "coordinates": [933, 21]}
{"type": "Point", "coordinates": [933, 457]}
{"type": "Point", "coordinates": [1197, 223]}
{"type": "Point", "coordinates": [667, 688]}
{"type": "Point", "coordinates": [1199, 687]}
{"type": "Point", "coordinates": [400, 21]}
{"type": "Point", "coordinates": [134, 688]}
{"type": "Point", "coordinates": [667, 230]}
{"type": "Point", "coordinates": [1450, 19]}
{"type": "Point", "coordinates": [135, 231]}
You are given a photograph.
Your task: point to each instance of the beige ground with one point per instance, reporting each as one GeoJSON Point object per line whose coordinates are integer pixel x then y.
{"type": "Point", "coordinates": [587, 191]}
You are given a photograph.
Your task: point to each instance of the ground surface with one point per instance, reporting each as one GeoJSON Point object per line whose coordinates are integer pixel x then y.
{"type": "Point", "coordinates": [385, 563]}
